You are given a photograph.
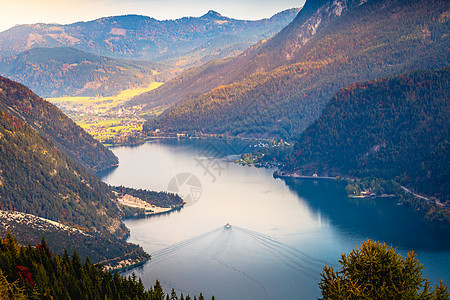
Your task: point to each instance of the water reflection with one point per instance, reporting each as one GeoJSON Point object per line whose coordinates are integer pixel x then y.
{"type": "Point", "coordinates": [282, 230]}
{"type": "Point", "coordinates": [379, 219]}
{"type": "Point", "coordinates": [235, 263]}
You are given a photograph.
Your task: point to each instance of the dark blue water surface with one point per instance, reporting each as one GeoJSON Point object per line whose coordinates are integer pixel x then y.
{"type": "Point", "coordinates": [282, 231]}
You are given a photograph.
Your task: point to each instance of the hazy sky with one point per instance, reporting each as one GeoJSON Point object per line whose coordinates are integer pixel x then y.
{"type": "Point", "coordinates": [68, 11]}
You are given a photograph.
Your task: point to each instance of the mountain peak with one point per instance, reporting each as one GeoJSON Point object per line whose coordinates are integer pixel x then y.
{"type": "Point", "coordinates": [212, 15]}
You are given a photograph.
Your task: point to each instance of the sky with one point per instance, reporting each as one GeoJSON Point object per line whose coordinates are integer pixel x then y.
{"type": "Point", "coordinates": [15, 12]}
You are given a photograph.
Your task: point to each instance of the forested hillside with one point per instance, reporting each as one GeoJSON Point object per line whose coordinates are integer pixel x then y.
{"type": "Point", "coordinates": [262, 57]}
{"type": "Point", "coordinates": [38, 179]}
{"type": "Point", "coordinates": [55, 72]}
{"type": "Point", "coordinates": [105, 248]}
{"type": "Point", "coordinates": [394, 128]}
{"type": "Point", "coordinates": [34, 272]}
{"type": "Point", "coordinates": [49, 121]}
{"type": "Point", "coordinates": [281, 86]}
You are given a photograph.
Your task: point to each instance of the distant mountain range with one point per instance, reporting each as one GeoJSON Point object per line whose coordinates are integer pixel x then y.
{"type": "Point", "coordinates": [142, 37]}
{"type": "Point", "coordinates": [100, 57]}
{"type": "Point", "coordinates": [55, 72]}
{"type": "Point", "coordinates": [280, 86]}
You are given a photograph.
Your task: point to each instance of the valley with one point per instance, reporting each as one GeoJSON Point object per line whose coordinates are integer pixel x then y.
{"type": "Point", "coordinates": [106, 118]}
{"type": "Point", "coordinates": [233, 158]}
{"type": "Point", "coordinates": [282, 230]}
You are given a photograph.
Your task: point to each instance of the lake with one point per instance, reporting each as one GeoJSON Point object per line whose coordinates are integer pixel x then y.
{"type": "Point", "coordinates": [282, 230]}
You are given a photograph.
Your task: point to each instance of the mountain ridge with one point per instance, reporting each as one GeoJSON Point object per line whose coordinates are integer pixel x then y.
{"type": "Point", "coordinates": [63, 71]}
{"type": "Point", "coordinates": [49, 121]}
{"type": "Point", "coordinates": [212, 14]}
{"type": "Point", "coordinates": [393, 128]}
{"type": "Point", "coordinates": [256, 59]}
{"type": "Point", "coordinates": [359, 42]}
{"type": "Point", "coordinates": [116, 36]}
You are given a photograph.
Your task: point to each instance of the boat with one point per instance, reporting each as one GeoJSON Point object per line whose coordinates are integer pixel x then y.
{"type": "Point", "coordinates": [227, 226]}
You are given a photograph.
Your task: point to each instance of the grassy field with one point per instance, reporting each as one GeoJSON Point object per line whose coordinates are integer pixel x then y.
{"type": "Point", "coordinates": [104, 117]}
{"type": "Point", "coordinates": [101, 103]}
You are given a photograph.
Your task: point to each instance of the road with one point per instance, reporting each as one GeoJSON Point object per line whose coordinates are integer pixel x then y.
{"type": "Point", "coordinates": [425, 198]}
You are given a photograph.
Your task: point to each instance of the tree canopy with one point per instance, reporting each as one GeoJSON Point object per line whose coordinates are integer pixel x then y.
{"type": "Point", "coordinates": [36, 273]}
{"type": "Point", "coordinates": [377, 271]}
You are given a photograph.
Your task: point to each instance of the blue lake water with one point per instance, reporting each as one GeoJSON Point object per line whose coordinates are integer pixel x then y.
{"type": "Point", "coordinates": [282, 231]}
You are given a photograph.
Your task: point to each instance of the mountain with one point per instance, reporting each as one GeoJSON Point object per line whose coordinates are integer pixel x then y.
{"type": "Point", "coordinates": [280, 86]}
{"type": "Point", "coordinates": [133, 36]}
{"type": "Point", "coordinates": [19, 101]}
{"type": "Point", "coordinates": [99, 247]}
{"type": "Point", "coordinates": [43, 191]}
{"type": "Point", "coordinates": [55, 72]}
{"type": "Point", "coordinates": [390, 128]}
{"type": "Point", "coordinates": [224, 46]}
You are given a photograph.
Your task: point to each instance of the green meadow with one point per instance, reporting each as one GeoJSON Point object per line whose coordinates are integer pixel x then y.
{"type": "Point", "coordinates": [104, 117]}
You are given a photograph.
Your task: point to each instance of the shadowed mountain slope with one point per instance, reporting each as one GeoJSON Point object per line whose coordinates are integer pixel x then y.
{"type": "Point", "coordinates": [279, 87]}
{"type": "Point", "coordinates": [51, 123]}
{"type": "Point", "coordinates": [389, 128]}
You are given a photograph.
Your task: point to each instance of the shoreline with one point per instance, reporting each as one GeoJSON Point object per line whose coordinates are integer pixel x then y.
{"type": "Point", "coordinates": [153, 214]}
{"type": "Point", "coordinates": [278, 174]}
{"type": "Point", "coordinates": [131, 267]}
{"type": "Point", "coordinates": [204, 137]}
{"type": "Point", "coordinates": [211, 138]}
{"type": "Point", "coordinates": [371, 196]}
{"type": "Point", "coordinates": [123, 263]}
{"type": "Point", "coordinates": [148, 208]}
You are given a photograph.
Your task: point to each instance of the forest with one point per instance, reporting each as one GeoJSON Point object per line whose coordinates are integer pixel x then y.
{"type": "Point", "coordinates": [37, 273]}
{"type": "Point", "coordinates": [261, 93]}
{"type": "Point", "coordinates": [38, 179]}
{"type": "Point", "coordinates": [161, 199]}
{"type": "Point", "coordinates": [50, 122]}
{"type": "Point", "coordinates": [389, 129]}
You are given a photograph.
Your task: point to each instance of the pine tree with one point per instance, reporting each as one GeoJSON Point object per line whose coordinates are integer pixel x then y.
{"type": "Point", "coordinates": [10, 291]}
{"type": "Point", "coordinates": [76, 262]}
{"type": "Point", "coordinates": [158, 293]}
{"type": "Point", "coordinates": [173, 295]}
{"type": "Point", "coordinates": [441, 291]}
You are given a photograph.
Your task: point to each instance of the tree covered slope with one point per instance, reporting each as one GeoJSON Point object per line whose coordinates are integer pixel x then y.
{"type": "Point", "coordinates": [49, 121]}
{"type": "Point", "coordinates": [390, 128]}
{"type": "Point", "coordinates": [40, 185]}
{"type": "Point", "coordinates": [39, 179]}
{"type": "Point", "coordinates": [279, 87]}
{"type": "Point", "coordinates": [62, 71]}
{"type": "Point", "coordinates": [46, 190]}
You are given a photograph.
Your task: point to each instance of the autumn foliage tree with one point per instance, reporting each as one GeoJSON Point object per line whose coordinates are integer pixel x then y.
{"type": "Point", "coordinates": [377, 271]}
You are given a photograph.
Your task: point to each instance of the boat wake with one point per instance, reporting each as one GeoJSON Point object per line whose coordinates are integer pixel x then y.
{"type": "Point", "coordinates": [248, 264]}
